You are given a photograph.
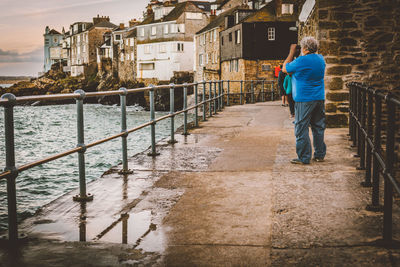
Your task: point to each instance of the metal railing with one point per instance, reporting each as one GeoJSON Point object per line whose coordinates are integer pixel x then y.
{"type": "Point", "coordinates": [365, 130]}
{"type": "Point", "coordinates": [217, 98]}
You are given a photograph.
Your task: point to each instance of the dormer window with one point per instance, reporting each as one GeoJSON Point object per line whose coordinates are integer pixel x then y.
{"type": "Point", "coordinates": [287, 9]}
{"type": "Point", "coordinates": [83, 27]}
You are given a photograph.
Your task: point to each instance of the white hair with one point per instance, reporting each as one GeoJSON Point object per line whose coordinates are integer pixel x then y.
{"type": "Point", "coordinates": [309, 43]}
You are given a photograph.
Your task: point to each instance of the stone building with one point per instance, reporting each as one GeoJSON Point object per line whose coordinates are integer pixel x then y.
{"type": "Point", "coordinates": [254, 42]}
{"type": "Point", "coordinates": [85, 38]}
{"type": "Point", "coordinates": [360, 41]}
{"type": "Point", "coordinates": [127, 60]}
{"type": "Point", "coordinates": [52, 48]}
{"type": "Point", "coordinates": [165, 39]}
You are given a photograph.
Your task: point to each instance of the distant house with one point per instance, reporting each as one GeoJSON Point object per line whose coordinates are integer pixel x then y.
{"type": "Point", "coordinates": [127, 59]}
{"type": "Point", "coordinates": [253, 44]}
{"type": "Point", "coordinates": [85, 38]}
{"type": "Point", "coordinates": [165, 38]}
{"type": "Point", "coordinates": [52, 48]}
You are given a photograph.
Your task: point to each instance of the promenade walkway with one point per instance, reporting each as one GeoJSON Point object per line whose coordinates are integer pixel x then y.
{"type": "Point", "coordinates": [226, 195]}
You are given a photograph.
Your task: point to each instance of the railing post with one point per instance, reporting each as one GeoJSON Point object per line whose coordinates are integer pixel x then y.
{"type": "Point", "coordinates": [367, 182]}
{"type": "Point", "coordinates": [215, 97]}
{"type": "Point", "coordinates": [362, 129]}
{"type": "Point", "coordinates": [262, 92]}
{"type": "Point", "coordinates": [358, 126]}
{"type": "Point", "coordinates": [196, 102]}
{"type": "Point", "coordinates": [221, 94]}
{"type": "Point", "coordinates": [252, 92]}
{"type": "Point", "coordinates": [83, 196]}
{"type": "Point", "coordinates": [204, 101]}
{"type": "Point", "coordinates": [10, 166]}
{"type": "Point", "coordinates": [354, 112]}
{"type": "Point", "coordinates": [172, 112]}
{"type": "Point", "coordinates": [241, 92]}
{"type": "Point", "coordinates": [227, 98]}
{"type": "Point", "coordinates": [388, 187]}
{"type": "Point", "coordinates": [125, 169]}
{"type": "Point", "coordinates": [153, 152]}
{"type": "Point", "coordinates": [377, 143]}
{"type": "Point", "coordinates": [185, 113]}
{"type": "Point", "coordinates": [209, 100]}
{"type": "Point", "coordinates": [351, 111]}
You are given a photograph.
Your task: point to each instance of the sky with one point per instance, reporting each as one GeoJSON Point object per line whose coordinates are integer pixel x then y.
{"type": "Point", "coordinates": [22, 25]}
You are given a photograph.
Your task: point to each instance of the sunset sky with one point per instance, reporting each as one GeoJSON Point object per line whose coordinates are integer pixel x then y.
{"type": "Point", "coordinates": [22, 24]}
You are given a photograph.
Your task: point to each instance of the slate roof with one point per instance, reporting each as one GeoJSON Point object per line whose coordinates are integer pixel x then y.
{"type": "Point", "coordinates": [132, 34]}
{"type": "Point", "coordinates": [268, 13]}
{"type": "Point", "coordinates": [52, 31]}
{"type": "Point", "coordinates": [220, 19]}
{"type": "Point", "coordinates": [105, 24]}
{"type": "Point", "coordinates": [175, 13]}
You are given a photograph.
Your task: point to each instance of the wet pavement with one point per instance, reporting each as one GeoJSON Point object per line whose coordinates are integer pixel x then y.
{"type": "Point", "coordinates": [225, 195]}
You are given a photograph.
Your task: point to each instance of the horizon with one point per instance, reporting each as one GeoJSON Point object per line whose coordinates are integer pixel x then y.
{"type": "Point", "coordinates": [22, 52]}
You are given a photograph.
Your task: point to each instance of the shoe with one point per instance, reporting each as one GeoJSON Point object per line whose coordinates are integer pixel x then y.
{"type": "Point", "coordinates": [297, 161]}
{"type": "Point", "coordinates": [283, 105]}
{"type": "Point", "coordinates": [318, 159]}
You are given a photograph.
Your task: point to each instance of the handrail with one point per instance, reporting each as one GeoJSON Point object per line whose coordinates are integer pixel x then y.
{"type": "Point", "coordinates": [216, 102]}
{"type": "Point", "coordinates": [365, 130]}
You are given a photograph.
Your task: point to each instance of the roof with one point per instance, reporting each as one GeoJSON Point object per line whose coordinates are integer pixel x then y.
{"type": "Point", "coordinates": [268, 13]}
{"type": "Point", "coordinates": [52, 31]}
{"type": "Point", "coordinates": [131, 34]}
{"type": "Point", "coordinates": [205, 6]}
{"type": "Point", "coordinates": [105, 24]}
{"type": "Point", "coordinates": [175, 13]}
{"type": "Point", "coordinates": [220, 19]}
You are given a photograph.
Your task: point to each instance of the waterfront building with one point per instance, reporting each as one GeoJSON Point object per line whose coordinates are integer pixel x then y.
{"type": "Point", "coordinates": [85, 38]}
{"type": "Point", "coordinates": [253, 44]}
{"type": "Point", "coordinates": [52, 48]}
{"type": "Point", "coordinates": [165, 39]}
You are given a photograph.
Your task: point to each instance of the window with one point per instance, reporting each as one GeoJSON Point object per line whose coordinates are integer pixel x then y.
{"type": "Point", "coordinates": [118, 37]}
{"type": "Point", "coordinates": [181, 28]}
{"type": "Point", "coordinates": [180, 47]}
{"type": "Point", "coordinates": [166, 29]}
{"type": "Point", "coordinates": [148, 49]}
{"type": "Point", "coordinates": [153, 30]}
{"type": "Point", "coordinates": [132, 57]}
{"type": "Point", "coordinates": [215, 35]}
{"type": "Point", "coordinates": [46, 41]}
{"type": "Point", "coordinates": [237, 37]}
{"type": "Point", "coordinates": [222, 40]}
{"type": "Point", "coordinates": [287, 9]}
{"type": "Point", "coordinates": [201, 63]}
{"type": "Point", "coordinates": [79, 38]}
{"type": "Point", "coordinates": [87, 38]}
{"type": "Point", "coordinates": [122, 57]}
{"type": "Point", "coordinates": [202, 39]}
{"type": "Point", "coordinates": [75, 28]}
{"type": "Point", "coordinates": [271, 34]}
{"type": "Point", "coordinates": [265, 67]}
{"type": "Point", "coordinates": [236, 65]}
{"type": "Point", "coordinates": [83, 27]}
{"type": "Point", "coordinates": [146, 66]}
{"type": "Point", "coordinates": [79, 49]}
{"type": "Point", "coordinates": [84, 49]}
{"type": "Point", "coordinates": [163, 48]}
{"type": "Point", "coordinates": [230, 65]}
{"type": "Point", "coordinates": [230, 37]}
{"type": "Point", "coordinates": [141, 32]}
{"type": "Point", "coordinates": [127, 56]}
{"type": "Point", "coordinates": [174, 28]}
{"type": "Point", "coordinates": [236, 17]}
{"type": "Point", "coordinates": [132, 42]}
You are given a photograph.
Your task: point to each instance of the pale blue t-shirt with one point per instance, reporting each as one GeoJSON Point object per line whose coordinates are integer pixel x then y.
{"type": "Point", "coordinates": [308, 78]}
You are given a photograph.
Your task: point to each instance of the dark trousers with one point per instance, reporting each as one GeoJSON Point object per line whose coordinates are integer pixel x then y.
{"type": "Point", "coordinates": [291, 104]}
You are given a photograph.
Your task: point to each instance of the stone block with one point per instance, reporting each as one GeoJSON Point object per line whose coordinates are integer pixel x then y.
{"type": "Point", "coordinates": [348, 42]}
{"type": "Point", "coordinates": [343, 108]}
{"type": "Point", "coordinates": [342, 16]}
{"type": "Point", "coordinates": [339, 70]}
{"type": "Point", "coordinates": [349, 60]}
{"type": "Point", "coordinates": [323, 14]}
{"type": "Point", "coordinates": [349, 25]}
{"type": "Point", "coordinates": [335, 83]}
{"type": "Point", "coordinates": [332, 60]}
{"type": "Point", "coordinates": [330, 107]}
{"type": "Point", "coordinates": [373, 21]}
{"type": "Point", "coordinates": [356, 33]}
{"type": "Point", "coordinates": [328, 25]}
{"type": "Point", "coordinates": [337, 96]}
{"type": "Point", "coordinates": [328, 48]}
{"type": "Point", "coordinates": [337, 120]}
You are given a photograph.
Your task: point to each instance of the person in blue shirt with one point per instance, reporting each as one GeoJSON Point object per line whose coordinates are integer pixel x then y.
{"type": "Point", "coordinates": [308, 90]}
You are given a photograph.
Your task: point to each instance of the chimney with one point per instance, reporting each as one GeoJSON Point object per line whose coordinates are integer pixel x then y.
{"type": "Point", "coordinates": [278, 5]}
{"type": "Point", "coordinates": [100, 19]}
{"type": "Point", "coordinates": [121, 26]}
{"type": "Point", "coordinates": [133, 22]}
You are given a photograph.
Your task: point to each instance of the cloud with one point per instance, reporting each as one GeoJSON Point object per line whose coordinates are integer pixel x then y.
{"type": "Point", "coordinates": [7, 56]}
{"type": "Point", "coordinates": [45, 11]}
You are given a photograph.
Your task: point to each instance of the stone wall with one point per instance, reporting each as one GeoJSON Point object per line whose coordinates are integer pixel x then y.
{"type": "Point", "coordinates": [360, 40]}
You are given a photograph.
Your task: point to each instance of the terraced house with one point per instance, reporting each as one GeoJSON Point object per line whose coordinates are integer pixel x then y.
{"type": "Point", "coordinates": [165, 39]}
{"type": "Point", "coordinates": [85, 38]}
